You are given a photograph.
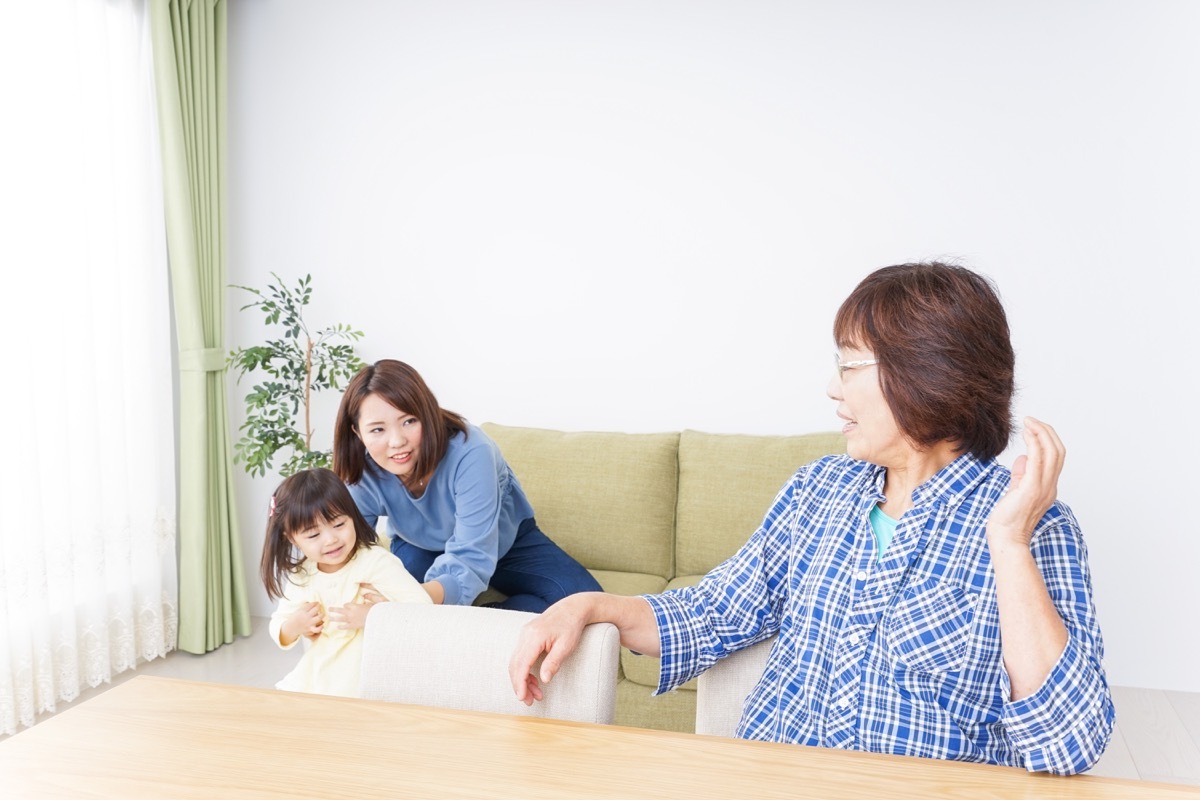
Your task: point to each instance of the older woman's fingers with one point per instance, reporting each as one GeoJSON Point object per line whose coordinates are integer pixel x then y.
{"type": "Point", "coordinates": [1060, 450]}
{"type": "Point", "coordinates": [1045, 454]}
{"type": "Point", "coordinates": [1052, 452]}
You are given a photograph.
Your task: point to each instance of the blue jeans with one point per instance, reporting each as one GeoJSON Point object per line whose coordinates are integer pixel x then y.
{"type": "Point", "coordinates": [534, 573]}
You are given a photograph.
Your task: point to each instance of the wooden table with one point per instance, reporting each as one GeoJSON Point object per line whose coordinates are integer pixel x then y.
{"type": "Point", "coordinates": [165, 738]}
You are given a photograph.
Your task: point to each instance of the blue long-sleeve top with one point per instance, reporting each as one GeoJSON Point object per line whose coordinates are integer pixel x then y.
{"type": "Point", "coordinates": [470, 512]}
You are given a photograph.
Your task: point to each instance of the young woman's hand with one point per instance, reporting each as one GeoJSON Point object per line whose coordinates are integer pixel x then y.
{"type": "Point", "coordinates": [370, 595]}
{"type": "Point", "coordinates": [308, 620]}
{"type": "Point", "coordinates": [353, 616]}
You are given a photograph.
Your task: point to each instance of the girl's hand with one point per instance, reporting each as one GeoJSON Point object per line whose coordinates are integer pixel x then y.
{"type": "Point", "coordinates": [1033, 489]}
{"type": "Point", "coordinates": [353, 616]}
{"type": "Point", "coordinates": [308, 620]}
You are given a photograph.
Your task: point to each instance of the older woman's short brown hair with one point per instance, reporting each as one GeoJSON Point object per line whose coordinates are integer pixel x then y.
{"type": "Point", "coordinates": [941, 338]}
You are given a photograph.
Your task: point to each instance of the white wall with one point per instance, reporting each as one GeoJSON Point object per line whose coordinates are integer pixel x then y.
{"type": "Point", "coordinates": [641, 215]}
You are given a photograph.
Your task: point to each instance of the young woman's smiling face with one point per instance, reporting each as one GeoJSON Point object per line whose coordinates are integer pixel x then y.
{"type": "Point", "coordinates": [392, 437]}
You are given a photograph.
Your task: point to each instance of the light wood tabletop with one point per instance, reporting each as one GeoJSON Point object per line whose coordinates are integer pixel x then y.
{"type": "Point", "coordinates": [167, 738]}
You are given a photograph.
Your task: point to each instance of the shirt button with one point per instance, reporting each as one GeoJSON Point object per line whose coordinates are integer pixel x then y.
{"type": "Point", "coordinates": [854, 637]}
{"type": "Point", "coordinates": [862, 576]}
{"type": "Point", "coordinates": [843, 703]}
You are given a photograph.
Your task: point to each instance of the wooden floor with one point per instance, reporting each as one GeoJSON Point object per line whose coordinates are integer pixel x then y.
{"type": "Point", "coordinates": [1157, 736]}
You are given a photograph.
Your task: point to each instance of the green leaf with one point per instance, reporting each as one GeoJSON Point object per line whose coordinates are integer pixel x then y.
{"type": "Point", "coordinates": [274, 404]}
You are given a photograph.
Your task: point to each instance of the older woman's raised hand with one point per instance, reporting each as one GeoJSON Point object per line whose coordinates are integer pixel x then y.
{"type": "Point", "coordinates": [1034, 487]}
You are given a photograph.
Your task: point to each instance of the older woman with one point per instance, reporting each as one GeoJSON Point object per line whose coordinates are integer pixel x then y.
{"type": "Point", "coordinates": [926, 600]}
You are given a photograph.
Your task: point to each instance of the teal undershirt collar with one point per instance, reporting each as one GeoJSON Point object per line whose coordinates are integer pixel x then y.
{"type": "Point", "coordinates": [884, 528]}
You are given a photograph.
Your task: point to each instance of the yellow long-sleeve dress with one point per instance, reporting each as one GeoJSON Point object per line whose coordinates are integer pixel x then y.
{"type": "Point", "coordinates": [330, 665]}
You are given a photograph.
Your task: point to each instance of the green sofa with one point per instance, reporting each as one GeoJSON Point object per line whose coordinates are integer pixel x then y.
{"type": "Point", "coordinates": [648, 512]}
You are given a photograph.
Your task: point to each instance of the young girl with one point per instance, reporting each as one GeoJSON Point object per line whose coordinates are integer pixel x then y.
{"type": "Point", "coordinates": [457, 516]}
{"type": "Point", "coordinates": [321, 560]}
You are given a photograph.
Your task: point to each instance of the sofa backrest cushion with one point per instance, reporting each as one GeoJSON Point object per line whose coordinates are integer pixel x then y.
{"type": "Point", "coordinates": [608, 499]}
{"type": "Point", "coordinates": [726, 485]}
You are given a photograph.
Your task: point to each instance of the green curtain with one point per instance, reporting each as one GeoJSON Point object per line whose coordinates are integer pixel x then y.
{"type": "Point", "coordinates": [189, 42]}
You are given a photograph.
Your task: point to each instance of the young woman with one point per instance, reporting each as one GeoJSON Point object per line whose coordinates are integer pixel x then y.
{"type": "Point", "coordinates": [457, 516]}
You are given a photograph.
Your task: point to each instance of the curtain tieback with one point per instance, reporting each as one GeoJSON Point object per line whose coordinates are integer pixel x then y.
{"type": "Point", "coordinates": [210, 359]}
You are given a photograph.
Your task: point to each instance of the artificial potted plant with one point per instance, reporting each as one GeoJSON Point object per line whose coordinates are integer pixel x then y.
{"type": "Point", "coordinates": [295, 365]}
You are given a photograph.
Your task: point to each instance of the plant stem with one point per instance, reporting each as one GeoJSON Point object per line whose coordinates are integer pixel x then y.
{"type": "Point", "coordinates": [307, 392]}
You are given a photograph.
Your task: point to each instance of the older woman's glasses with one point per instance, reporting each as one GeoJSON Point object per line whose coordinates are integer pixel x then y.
{"type": "Point", "coordinates": [842, 366]}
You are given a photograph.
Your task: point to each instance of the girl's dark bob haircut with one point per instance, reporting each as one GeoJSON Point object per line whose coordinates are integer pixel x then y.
{"type": "Point", "coordinates": [301, 501]}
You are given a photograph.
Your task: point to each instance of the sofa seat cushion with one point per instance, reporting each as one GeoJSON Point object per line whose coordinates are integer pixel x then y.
{"type": "Point", "coordinates": [636, 708]}
{"type": "Point", "coordinates": [608, 499]}
{"type": "Point", "coordinates": [628, 583]}
{"type": "Point", "coordinates": [684, 581]}
{"type": "Point", "coordinates": [727, 483]}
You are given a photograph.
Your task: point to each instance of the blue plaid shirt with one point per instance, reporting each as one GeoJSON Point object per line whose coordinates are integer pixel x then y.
{"type": "Point", "coordinates": [900, 655]}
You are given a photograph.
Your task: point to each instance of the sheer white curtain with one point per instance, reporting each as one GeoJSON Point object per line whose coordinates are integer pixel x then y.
{"type": "Point", "coordinates": [87, 479]}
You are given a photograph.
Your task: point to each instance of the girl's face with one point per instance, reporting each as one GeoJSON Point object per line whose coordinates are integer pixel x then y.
{"type": "Point", "coordinates": [328, 543]}
{"type": "Point", "coordinates": [392, 437]}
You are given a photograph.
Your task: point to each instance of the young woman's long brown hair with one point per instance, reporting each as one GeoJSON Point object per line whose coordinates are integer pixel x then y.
{"type": "Point", "coordinates": [403, 388]}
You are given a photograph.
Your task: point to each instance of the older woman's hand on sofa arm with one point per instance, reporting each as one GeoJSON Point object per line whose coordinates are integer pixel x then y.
{"type": "Point", "coordinates": [556, 631]}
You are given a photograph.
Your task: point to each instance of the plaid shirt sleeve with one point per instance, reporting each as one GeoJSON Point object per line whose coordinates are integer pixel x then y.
{"type": "Point", "coordinates": [737, 604]}
{"type": "Point", "coordinates": [1066, 724]}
